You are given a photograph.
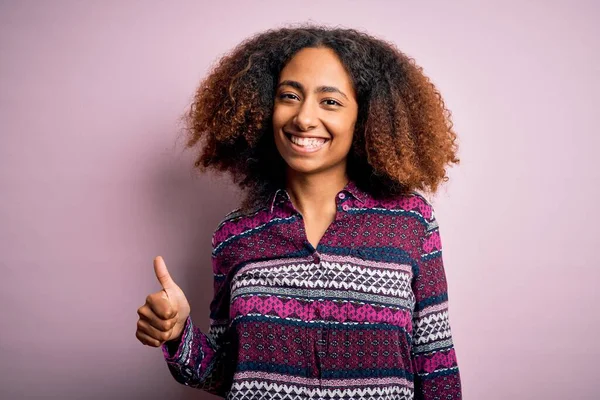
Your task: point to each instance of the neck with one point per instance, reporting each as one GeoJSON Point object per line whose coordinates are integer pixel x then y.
{"type": "Point", "coordinates": [314, 194]}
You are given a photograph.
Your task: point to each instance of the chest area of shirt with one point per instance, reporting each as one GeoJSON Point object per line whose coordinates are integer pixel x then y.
{"type": "Point", "coordinates": [336, 289]}
{"type": "Point", "coordinates": [363, 262]}
{"type": "Point", "coordinates": [350, 230]}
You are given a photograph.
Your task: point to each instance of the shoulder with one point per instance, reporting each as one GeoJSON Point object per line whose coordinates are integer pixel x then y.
{"type": "Point", "coordinates": [421, 209]}
{"type": "Point", "coordinates": [236, 222]}
{"type": "Point", "coordinates": [427, 211]}
{"type": "Point", "coordinates": [412, 204]}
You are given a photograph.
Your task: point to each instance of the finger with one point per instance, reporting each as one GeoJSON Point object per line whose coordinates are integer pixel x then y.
{"type": "Point", "coordinates": [161, 306]}
{"type": "Point", "coordinates": [144, 327]}
{"type": "Point", "coordinates": [164, 325]}
{"type": "Point", "coordinates": [147, 340]}
{"type": "Point", "coordinates": [162, 274]}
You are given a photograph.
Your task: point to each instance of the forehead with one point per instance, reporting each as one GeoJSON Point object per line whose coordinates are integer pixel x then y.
{"type": "Point", "coordinates": [316, 66]}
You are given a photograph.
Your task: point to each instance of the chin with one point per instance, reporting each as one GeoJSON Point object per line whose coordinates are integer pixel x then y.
{"type": "Point", "coordinates": [305, 168]}
{"type": "Point", "coordinates": [313, 167]}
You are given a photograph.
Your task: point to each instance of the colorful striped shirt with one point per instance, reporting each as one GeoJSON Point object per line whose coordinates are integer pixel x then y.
{"type": "Point", "coordinates": [364, 315]}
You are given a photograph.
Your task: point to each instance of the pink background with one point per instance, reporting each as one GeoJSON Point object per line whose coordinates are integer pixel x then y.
{"type": "Point", "coordinates": [94, 184]}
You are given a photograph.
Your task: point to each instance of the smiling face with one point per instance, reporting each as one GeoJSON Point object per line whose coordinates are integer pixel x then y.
{"type": "Point", "coordinates": [314, 112]}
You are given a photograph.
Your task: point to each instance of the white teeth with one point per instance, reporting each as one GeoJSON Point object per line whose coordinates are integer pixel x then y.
{"type": "Point", "coordinates": [307, 142]}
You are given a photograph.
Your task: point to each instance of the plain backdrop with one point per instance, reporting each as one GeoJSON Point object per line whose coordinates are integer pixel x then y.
{"type": "Point", "coordinates": [94, 183]}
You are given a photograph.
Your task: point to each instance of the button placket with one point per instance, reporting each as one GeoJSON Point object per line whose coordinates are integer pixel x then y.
{"type": "Point", "coordinates": [316, 257]}
{"type": "Point", "coordinates": [322, 331]}
{"type": "Point", "coordinates": [342, 201]}
{"type": "Point", "coordinates": [313, 331]}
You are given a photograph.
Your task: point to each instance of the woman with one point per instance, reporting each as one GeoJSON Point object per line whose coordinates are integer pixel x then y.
{"type": "Point", "coordinates": [328, 280]}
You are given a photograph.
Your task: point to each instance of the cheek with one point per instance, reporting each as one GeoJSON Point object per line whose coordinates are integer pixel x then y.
{"type": "Point", "coordinates": [279, 117]}
{"type": "Point", "coordinates": [342, 130]}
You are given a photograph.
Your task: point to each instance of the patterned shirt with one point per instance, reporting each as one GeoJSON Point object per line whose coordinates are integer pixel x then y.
{"type": "Point", "coordinates": [362, 316]}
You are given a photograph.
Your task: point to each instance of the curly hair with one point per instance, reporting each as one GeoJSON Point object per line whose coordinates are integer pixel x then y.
{"type": "Point", "coordinates": [403, 138]}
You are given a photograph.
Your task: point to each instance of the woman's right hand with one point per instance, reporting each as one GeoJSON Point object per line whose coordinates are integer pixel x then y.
{"type": "Point", "coordinates": [163, 316]}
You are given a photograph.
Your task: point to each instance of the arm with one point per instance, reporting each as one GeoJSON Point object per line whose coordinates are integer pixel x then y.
{"type": "Point", "coordinates": [199, 360]}
{"type": "Point", "coordinates": [434, 359]}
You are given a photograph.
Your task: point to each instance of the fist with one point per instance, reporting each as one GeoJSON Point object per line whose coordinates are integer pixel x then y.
{"type": "Point", "coordinates": [162, 317]}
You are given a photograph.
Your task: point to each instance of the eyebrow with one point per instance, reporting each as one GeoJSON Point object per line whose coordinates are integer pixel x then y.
{"type": "Point", "coordinates": [320, 89]}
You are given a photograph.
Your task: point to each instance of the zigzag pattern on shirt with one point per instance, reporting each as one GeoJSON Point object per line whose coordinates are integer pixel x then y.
{"type": "Point", "coordinates": [328, 275]}
{"type": "Point", "coordinates": [216, 332]}
{"type": "Point", "coordinates": [254, 390]}
{"type": "Point", "coordinates": [325, 310]}
{"type": "Point", "coordinates": [311, 295]}
{"type": "Point", "coordinates": [331, 259]}
{"type": "Point", "coordinates": [324, 382]}
{"type": "Point", "coordinates": [432, 327]}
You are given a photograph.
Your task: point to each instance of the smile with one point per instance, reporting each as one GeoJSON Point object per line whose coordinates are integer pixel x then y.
{"type": "Point", "coordinates": [306, 145]}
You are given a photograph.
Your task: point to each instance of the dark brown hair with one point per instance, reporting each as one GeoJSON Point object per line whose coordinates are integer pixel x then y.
{"type": "Point", "coordinates": [403, 138]}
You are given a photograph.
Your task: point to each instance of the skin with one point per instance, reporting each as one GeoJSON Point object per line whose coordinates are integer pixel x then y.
{"type": "Point", "coordinates": [312, 179]}
{"type": "Point", "coordinates": [301, 108]}
{"type": "Point", "coordinates": [162, 317]}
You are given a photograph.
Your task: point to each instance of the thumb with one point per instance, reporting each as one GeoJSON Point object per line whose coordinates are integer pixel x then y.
{"type": "Point", "coordinates": [162, 274]}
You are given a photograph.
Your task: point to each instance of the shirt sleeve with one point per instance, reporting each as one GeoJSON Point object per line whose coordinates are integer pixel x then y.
{"type": "Point", "coordinates": [434, 358]}
{"type": "Point", "coordinates": [200, 360]}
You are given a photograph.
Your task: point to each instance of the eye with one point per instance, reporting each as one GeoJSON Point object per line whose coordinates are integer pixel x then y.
{"type": "Point", "coordinates": [332, 102]}
{"type": "Point", "coordinates": [288, 96]}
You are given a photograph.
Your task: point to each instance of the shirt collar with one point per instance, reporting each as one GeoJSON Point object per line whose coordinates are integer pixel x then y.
{"type": "Point", "coordinates": [274, 197]}
{"type": "Point", "coordinates": [351, 188]}
{"type": "Point", "coordinates": [355, 191]}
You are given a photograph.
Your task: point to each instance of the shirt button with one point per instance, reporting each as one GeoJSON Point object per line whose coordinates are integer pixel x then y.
{"type": "Point", "coordinates": [345, 207]}
{"type": "Point", "coordinates": [342, 196]}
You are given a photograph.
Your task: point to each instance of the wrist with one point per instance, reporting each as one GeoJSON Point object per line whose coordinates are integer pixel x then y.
{"type": "Point", "coordinates": [178, 331]}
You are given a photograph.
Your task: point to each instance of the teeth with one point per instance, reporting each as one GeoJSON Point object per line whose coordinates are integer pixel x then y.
{"type": "Point", "coordinates": [307, 142]}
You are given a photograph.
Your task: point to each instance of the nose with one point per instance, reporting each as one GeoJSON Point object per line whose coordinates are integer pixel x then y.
{"type": "Point", "coordinates": [306, 117]}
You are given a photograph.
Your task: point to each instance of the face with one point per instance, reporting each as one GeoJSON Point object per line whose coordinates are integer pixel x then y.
{"type": "Point", "coordinates": [314, 112]}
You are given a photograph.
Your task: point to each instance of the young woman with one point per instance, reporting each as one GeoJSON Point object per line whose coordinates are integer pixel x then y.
{"type": "Point", "coordinates": [328, 280]}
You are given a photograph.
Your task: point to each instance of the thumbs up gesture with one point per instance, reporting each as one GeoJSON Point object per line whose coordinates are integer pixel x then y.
{"type": "Point", "coordinates": [163, 316]}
